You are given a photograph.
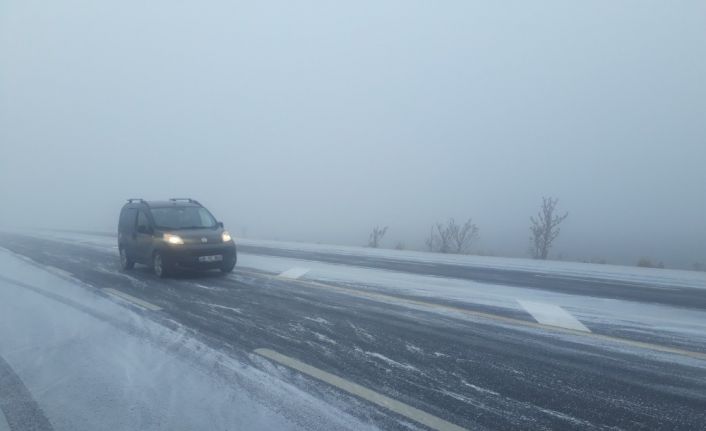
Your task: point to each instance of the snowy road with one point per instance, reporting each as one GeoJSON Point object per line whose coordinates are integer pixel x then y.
{"type": "Point", "coordinates": [311, 338]}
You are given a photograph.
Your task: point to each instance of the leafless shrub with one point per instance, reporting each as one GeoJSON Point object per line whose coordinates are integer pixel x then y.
{"type": "Point", "coordinates": [645, 262]}
{"type": "Point", "coordinates": [376, 236]}
{"type": "Point", "coordinates": [452, 238]}
{"type": "Point", "coordinates": [545, 228]}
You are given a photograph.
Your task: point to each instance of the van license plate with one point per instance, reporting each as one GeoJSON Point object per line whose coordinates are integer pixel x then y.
{"type": "Point", "coordinates": [216, 258]}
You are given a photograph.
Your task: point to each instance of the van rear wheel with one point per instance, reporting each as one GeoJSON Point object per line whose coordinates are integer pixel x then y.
{"type": "Point", "coordinates": [125, 261]}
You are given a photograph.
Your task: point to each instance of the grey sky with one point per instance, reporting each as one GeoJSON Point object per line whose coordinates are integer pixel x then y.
{"type": "Point", "coordinates": [315, 120]}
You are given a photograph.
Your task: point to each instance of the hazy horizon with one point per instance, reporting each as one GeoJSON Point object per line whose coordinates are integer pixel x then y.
{"type": "Point", "coordinates": [316, 121]}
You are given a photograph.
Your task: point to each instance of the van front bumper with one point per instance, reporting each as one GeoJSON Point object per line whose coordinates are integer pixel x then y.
{"type": "Point", "coordinates": [190, 256]}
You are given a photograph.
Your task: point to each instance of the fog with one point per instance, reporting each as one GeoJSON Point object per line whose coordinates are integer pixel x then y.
{"type": "Point", "coordinates": [315, 121]}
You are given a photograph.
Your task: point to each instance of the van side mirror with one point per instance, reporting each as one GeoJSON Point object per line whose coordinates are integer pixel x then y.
{"type": "Point", "coordinates": [220, 224]}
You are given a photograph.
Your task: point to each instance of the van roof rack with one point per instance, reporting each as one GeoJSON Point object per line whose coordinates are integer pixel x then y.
{"type": "Point", "coordinates": [193, 201]}
{"type": "Point", "coordinates": [131, 200]}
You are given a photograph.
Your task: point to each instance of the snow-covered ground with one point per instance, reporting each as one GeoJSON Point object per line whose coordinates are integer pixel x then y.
{"type": "Point", "coordinates": [4, 426]}
{"type": "Point", "coordinates": [90, 363]}
{"type": "Point", "coordinates": [628, 274]}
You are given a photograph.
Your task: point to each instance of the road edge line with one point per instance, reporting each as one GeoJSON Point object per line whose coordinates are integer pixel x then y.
{"type": "Point", "coordinates": [377, 398]}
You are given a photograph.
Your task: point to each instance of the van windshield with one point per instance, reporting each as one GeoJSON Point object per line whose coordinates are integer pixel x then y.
{"type": "Point", "coordinates": [183, 218]}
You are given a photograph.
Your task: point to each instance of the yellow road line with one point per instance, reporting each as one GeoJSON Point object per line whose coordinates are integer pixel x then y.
{"type": "Point", "coordinates": [381, 400]}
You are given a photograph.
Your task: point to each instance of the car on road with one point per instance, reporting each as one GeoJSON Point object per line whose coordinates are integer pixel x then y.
{"type": "Point", "coordinates": [172, 235]}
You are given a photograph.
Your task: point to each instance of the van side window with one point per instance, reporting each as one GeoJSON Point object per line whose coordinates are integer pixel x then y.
{"type": "Point", "coordinates": [127, 219]}
{"type": "Point", "coordinates": [142, 221]}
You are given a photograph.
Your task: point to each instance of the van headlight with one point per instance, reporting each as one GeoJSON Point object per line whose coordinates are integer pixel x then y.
{"type": "Point", "coordinates": [173, 239]}
{"type": "Point", "coordinates": [226, 236]}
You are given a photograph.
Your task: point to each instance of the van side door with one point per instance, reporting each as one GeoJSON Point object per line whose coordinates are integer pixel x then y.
{"type": "Point", "coordinates": [143, 240]}
{"type": "Point", "coordinates": [126, 231]}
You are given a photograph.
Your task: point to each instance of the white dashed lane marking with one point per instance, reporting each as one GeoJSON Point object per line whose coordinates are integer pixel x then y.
{"type": "Point", "coordinates": [137, 301]}
{"type": "Point", "coordinates": [395, 406]}
{"type": "Point", "coordinates": [294, 273]}
{"type": "Point", "coordinates": [552, 315]}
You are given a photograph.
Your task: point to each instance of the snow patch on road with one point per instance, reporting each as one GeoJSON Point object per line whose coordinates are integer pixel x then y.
{"type": "Point", "coordinates": [413, 349]}
{"type": "Point", "coordinates": [479, 389]}
{"type": "Point", "coordinates": [203, 286]}
{"type": "Point", "coordinates": [387, 360]}
{"type": "Point", "coordinates": [362, 333]}
{"type": "Point", "coordinates": [320, 320]}
{"type": "Point", "coordinates": [220, 307]}
{"type": "Point", "coordinates": [321, 337]}
{"type": "Point", "coordinates": [563, 416]}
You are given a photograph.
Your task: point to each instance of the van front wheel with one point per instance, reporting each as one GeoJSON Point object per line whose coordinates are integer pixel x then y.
{"type": "Point", "coordinates": [228, 267]}
{"type": "Point", "coordinates": [159, 265]}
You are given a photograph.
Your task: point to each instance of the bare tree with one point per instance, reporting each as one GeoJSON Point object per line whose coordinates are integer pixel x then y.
{"type": "Point", "coordinates": [443, 238]}
{"type": "Point", "coordinates": [545, 228]}
{"type": "Point", "coordinates": [462, 237]}
{"type": "Point", "coordinates": [430, 241]}
{"type": "Point", "coordinates": [376, 236]}
{"type": "Point", "coordinates": [452, 238]}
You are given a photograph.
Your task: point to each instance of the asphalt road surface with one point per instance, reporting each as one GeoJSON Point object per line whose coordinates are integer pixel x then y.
{"type": "Point", "coordinates": [400, 362]}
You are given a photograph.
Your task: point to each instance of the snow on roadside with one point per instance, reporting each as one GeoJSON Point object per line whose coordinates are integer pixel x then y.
{"type": "Point", "coordinates": [87, 371]}
{"type": "Point", "coordinates": [101, 242]}
{"type": "Point", "coordinates": [626, 274]}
